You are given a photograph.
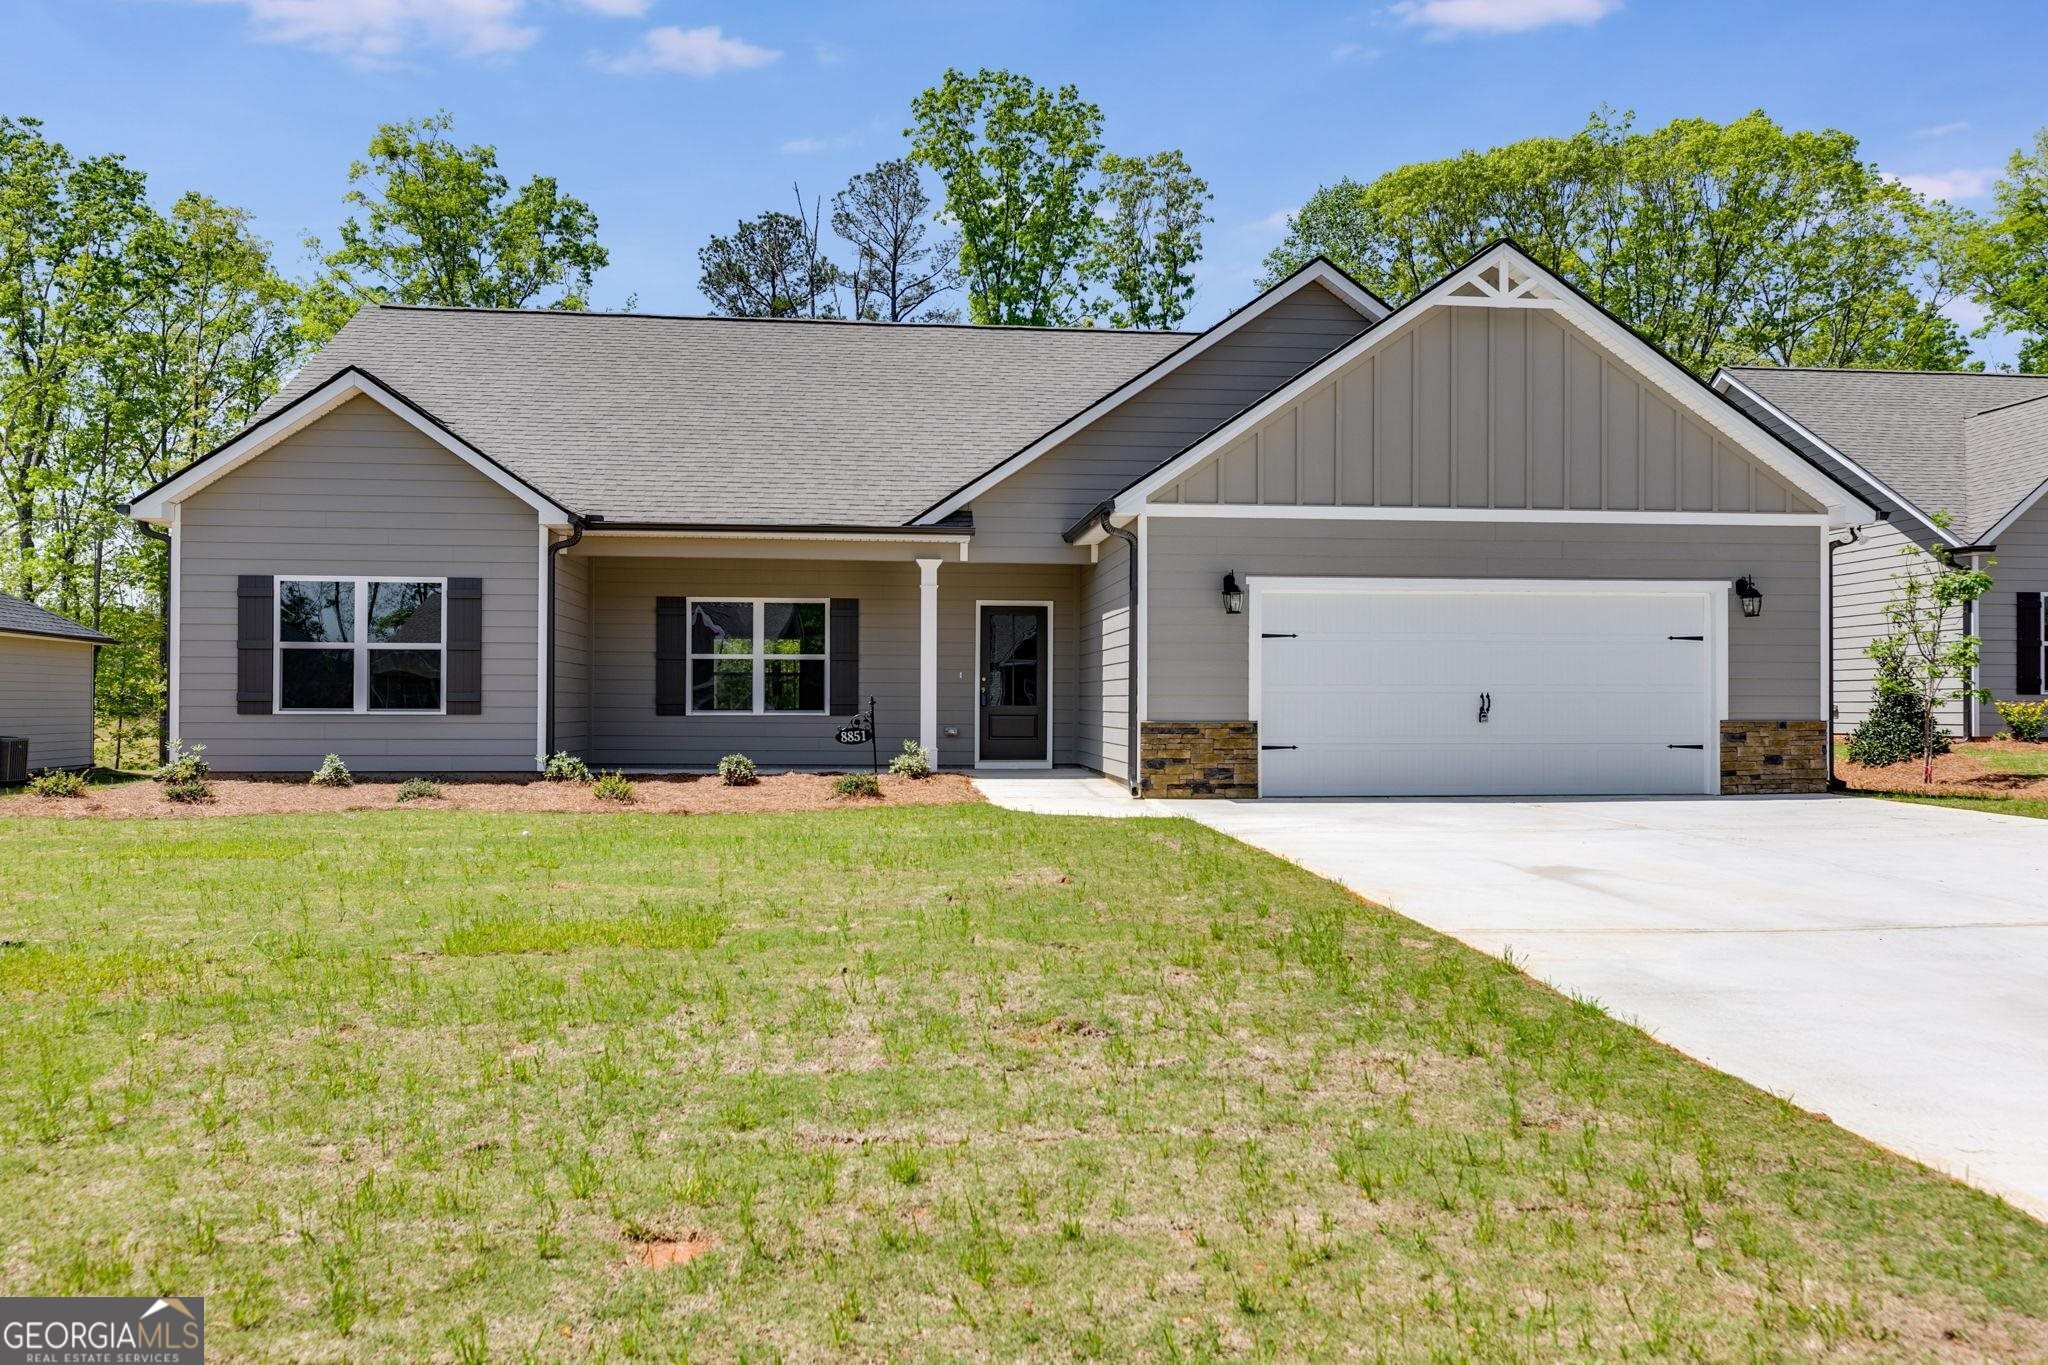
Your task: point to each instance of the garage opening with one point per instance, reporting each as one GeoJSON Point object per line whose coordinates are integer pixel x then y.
{"type": "Point", "coordinates": [1516, 687]}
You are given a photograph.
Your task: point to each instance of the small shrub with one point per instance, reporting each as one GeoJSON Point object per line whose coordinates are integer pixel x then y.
{"type": "Point", "coordinates": [418, 789]}
{"type": "Point", "coordinates": [332, 772]}
{"type": "Point", "coordinates": [184, 765]}
{"type": "Point", "coordinates": [188, 791]}
{"type": "Point", "coordinates": [1891, 732]}
{"type": "Point", "coordinates": [2025, 720]}
{"type": "Point", "coordinates": [613, 786]}
{"type": "Point", "coordinates": [856, 784]}
{"type": "Point", "coordinates": [737, 770]}
{"type": "Point", "coordinates": [57, 782]}
{"type": "Point", "coordinates": [914, 761]}
{"type": "Point", "coordinates": [563, 767]}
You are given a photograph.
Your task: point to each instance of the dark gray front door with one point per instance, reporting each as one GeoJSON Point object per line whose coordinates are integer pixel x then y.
{"type": "Point", "coordinates": [1013, 690]}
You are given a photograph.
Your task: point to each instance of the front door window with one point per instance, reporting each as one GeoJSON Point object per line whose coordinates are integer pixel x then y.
{"type": "Point", "coordinates": [1013, 684]}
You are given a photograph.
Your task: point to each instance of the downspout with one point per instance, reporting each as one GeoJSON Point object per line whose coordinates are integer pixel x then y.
{"type": "Point", "coordinates": [555, 547]}
{"type": "Point", "coordinates": [1131, 755]}
{"type": "Point", "coordinates": [163, 735]}
{"type": "Point", "coordinates": [1834, 784]}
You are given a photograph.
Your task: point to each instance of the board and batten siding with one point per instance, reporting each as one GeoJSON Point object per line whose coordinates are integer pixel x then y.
{"type": "Point", "coordinates": [1864, 576]}
{"type": "Point", "coordinates": [1199, 666]}
{"type": "Point", "coordinates": [1022, 517]}
{"type": "Point", "coordinates": [1103, 740]}
{"type": "Point", "coordinates": [1487, 407]}
{"type": "Point", "coordinates": [624, 729]}
{"type": "Point", "coordinates": [359, 493]}
{"type": "Point", "coordinates": [46, 697]}
{"type": "Point", "coordinates": [2022, 566]}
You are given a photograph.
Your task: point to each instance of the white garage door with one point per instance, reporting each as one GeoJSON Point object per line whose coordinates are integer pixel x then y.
{"type": "Point", "coordinates": [1487, 689]}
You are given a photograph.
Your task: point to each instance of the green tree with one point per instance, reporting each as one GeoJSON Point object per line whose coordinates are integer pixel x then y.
{"type": "Point", "coordinates": [440, 224]}
{"type": "Point", "coordinates": [1723, 243]}
{"type": "Point", "coordinates": [1926, 656]}
{"type": "Point", "coordinates": [1016, 160]}
{"type": "Point", "coordinates": [1148, 242]}
{"type": "Point", "coordinates": [772, 266]}
{"type": "Point", "coordinates": [884, 215]}
{"type": "Point", "coordinates": [2009, 257]}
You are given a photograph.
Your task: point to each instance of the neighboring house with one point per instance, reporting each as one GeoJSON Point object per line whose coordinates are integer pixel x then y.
{"type": "Point", "coordinates": [1487, 542]}
{"type": "Point", "coordinates": [46, 692]}
{"type": "Point", "coordinates": [1956, 460]}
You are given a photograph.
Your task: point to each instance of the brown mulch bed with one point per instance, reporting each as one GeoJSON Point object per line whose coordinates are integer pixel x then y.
{"type": "Point", "coordinates": [664, 795]}
{"type": "Point", "coordinates": [1959, 772]}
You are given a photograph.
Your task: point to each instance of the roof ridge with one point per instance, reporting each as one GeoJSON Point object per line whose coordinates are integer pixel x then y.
{"type": "Point", "coordinates": [1867, 369]}
{"type": "Point", "coordinates": [835, 322]}
{"type": "Point", "coordinates": [2016, 403]}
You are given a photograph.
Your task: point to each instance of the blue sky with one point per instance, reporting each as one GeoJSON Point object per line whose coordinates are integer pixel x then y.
{"type": "Point", "coordinates": [674, 118]}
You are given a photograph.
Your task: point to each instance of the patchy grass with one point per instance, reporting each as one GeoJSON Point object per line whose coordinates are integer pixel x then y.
{"type": "Point", "coordinates": [2031, 760]}
{"type": "Point", "coordinates": [2033, 808]}
{"type": "Point", "coordinates": [933, 1083]}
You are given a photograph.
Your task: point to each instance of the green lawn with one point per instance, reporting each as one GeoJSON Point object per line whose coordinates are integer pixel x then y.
{"type": "Point", "coordinates": [2032, 762]}
{"type": "Point", "coordinates": [901, 1083]}
{"type": "Point", "coordinates": [2032, 807]}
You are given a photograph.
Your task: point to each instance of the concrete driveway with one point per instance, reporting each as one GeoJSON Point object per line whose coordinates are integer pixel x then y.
{"type": "Point", "coordinates": [1885, 964]}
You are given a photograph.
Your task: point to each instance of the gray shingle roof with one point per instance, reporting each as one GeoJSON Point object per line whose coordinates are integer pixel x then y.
{"type": "Point", "coordinates": [1922, 433]}
{"type": "Point", "coordinates": [735, 421]}
{"type": "Point", "coordinates": [25, 618]}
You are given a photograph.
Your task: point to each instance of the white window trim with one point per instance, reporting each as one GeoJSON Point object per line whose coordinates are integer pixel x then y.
{"type": "Point", "coordinates": [757, 658]}
{"type": "Point", "coordinates": [360, 646]}
{"type": "Point", "coordinates": [1051, 686]}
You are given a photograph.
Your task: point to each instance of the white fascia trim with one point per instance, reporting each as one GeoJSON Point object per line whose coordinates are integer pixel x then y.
{"type": "Point", "coordinates": [155, 506]}
{"type": "Point", "coordinates": [1316, 272]}
{"type": "Point", "coordinates": [1326, 512]}
{"type": "Point", "coordinates": [1675, 383]}
{"type": "Point", "coordinates": [2020, 509]}
{"type": "Point", "coordinates": [602, 532]}
{"type": "Point", "coordinates": [544, 618]}
{"type": "Point", "coordinates": [176, 625]}
{"type": "Point", "coordinates": [1723, 381]}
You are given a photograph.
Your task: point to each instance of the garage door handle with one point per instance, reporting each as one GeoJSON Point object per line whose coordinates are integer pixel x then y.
{"type": "Point", "coordinates": [1278, 635]}
{"type": "Point", "coordinates": [1279, 746]}
{"type": "Point", "coordinates": [1685, 637]}
{"type": "Point", "coordinates": [1685, 746]}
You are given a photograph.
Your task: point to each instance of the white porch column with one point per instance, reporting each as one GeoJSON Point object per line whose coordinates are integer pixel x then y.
{"type": "Point", "coordinates": [928, 657]}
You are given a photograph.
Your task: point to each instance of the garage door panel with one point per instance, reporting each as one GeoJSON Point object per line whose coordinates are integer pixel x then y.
{"type": "Point", "coordinates": [1370, 691]}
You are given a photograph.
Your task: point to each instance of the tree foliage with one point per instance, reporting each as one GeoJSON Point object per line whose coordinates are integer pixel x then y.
{"type": "Point", "coordinates": [1926, 659]}
{"type": "Point", "coordinates": [1148, 242]}
{"type": "Point", "coordinates": [773, 266]}
{"type": "Point", "coordinates": [885, 216]}
{"type": "Point", "coordinates": [440, 224]}
{"type": "Point", "coordinates": [1723, 243]}
{"type": "Point", "coordinates": [2008, 258]}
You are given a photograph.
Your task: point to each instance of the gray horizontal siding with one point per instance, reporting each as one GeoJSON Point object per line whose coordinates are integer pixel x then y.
{"type": "Point", "coordinates": [1105, 661]}
{"type": "Point", "coordinates": [2022, 567]}
{"type": "Point", "coordinates": [359, 493]}
{"type": "Point", "coordinates": [1199, 668]}
{"type": "Point", "coordinates": [46, 696]}
{"type": "Point", "coordinates": [1487, 407]}
{"type": "Point", "coordinates": [1866, 576]}
{"type": "Point", "coordinates": [624, 730]}
{"type": "Point", "coordinates": [1022, 517]}
{"type": "Point", "coordinates": [572, 653]}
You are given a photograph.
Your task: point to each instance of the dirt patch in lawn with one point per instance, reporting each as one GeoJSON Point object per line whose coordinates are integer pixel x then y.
{"type": "Point", "coordinates": [1968, 769]}
{"type": "Point", "coordinates": [665, 795]}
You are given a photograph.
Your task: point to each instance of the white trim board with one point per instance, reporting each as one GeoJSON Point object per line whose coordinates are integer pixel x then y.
{"type": "Point", "coordinates": [1842, 507]}
{"type": "Point", "coordinates": [2019, 509]}
{"type": "Point", "coordinates": [1318, 271]}
{"type": "Point", "coordinates": [1716, 593]}
{"type": "Point", "coordinates": [1252, 511]}
{"type": "Point", "coordinates": [156, 505]}
{"type": "Point", "coordinates": [1725, 380]}
{"type": "Point", "coordinates": [1051, 686]}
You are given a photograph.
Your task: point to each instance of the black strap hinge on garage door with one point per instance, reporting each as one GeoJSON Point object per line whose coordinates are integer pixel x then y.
{"type": "Point", "coordinates": [1685, 637]}
{"type": "Point", "coordinates": [1278, 635]}
{"type": "Point", "coordinates": [1685, 746]}
{"type": "Point", "coordinates": [1279, 746]}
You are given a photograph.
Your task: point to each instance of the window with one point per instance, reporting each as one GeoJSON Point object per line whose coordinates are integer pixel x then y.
{"type": "Point", "coordinates": [360, 644]}
{"type": "Point", "coordinates": [757, 657]}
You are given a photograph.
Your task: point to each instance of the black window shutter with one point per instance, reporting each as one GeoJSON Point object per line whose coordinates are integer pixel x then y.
{"type": "Point", "coordinates": [843, 681]}
{"type": "Point", "coordinates": [255, 627]}
{"type": "Point", "coordinates": [465, 681]}
{"type": "Point", "coordinates": [671, 656]}
{"type": "Point", "coordinates": [2029, 682]}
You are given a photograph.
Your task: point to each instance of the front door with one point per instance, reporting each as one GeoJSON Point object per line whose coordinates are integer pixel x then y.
{"type": "Point", "coordinates": [1013, 690]}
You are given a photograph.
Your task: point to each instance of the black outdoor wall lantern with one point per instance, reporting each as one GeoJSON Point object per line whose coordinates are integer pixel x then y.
{"type": "Point", "coordinates": [1233, 593]}
{"type": "Point", "coordinates": [1751, 596]}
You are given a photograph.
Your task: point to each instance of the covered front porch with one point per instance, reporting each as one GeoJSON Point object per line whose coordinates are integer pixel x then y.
{"type": "Point", "coordinates": [672, 649]}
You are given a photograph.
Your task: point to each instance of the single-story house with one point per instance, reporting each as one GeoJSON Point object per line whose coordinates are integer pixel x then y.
{"type": "Point", "coordinates": [1957, 461]}
{"type": "Point", "coordinates": [1488, 542]}
{"type": "Point", "coordinates": [46, 684]}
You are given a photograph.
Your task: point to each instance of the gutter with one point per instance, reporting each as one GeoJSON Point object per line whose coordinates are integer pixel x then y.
{"type": "Point", "coordinates": [154, 532]}
{"type": "Point", "coordinates": [555, 548]}
{"type": "Point", "coordinates": [1834, 784]}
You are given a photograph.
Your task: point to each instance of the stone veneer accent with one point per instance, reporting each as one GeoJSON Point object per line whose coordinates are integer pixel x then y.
{"type": "Point", "coordinates": [1760, 757]}
{"type": "Point", "coordinates": [1203, 758]}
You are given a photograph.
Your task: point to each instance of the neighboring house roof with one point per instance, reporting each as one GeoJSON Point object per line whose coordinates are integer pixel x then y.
{"type": "Point", "coordinates": [1972, 445]}
{"type": "Point", "coordinates": [705, 421]}
{"type": "Point", "coordinates": [25, 618]}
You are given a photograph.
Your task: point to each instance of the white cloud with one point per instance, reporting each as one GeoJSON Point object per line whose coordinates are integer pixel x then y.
{"type": "Point", "coordinates": [615, 9]}
{"type": "Point", "coordinates": [690, 52]}
{"type": "Point", "coordinates": [1354, 52]}
{"type": "Point", "coordinates": [1942, 129]}
{"type": "Point", "coordinates": [826, 54]}
{"type": "Point", "coordinates": [804, 146]}
{"type": "Point", "coordinates": [1449, 18]}
{"type": "Point", "coordinates": [387, 32]}
{"type": "Point", "coordinates": [1965, 182]}
{"type": "Point", "coordinates": [1273, 224]}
